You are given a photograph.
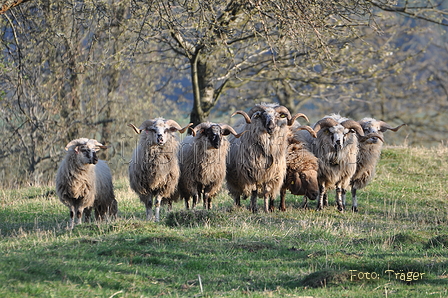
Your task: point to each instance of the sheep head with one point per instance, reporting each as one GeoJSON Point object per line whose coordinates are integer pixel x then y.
{"type": "Point", "coordinates": [156, 131]}
{"type": "Point", "coordinates": [214, 132]}
{"type": "Point", "coordinates": [370, 125]}
{"type": "Point", "coordinates": [270, 116]}
{"type": "Point", "coordinates": [85, 149]}
{"type": "Point", "coordinates": [339, 131]}
{"type": "Point", "coordinates": [373, 126]}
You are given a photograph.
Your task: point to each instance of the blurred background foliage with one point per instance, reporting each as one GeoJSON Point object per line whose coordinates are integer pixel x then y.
{"type": "Point", "coordinates": [86, 68]}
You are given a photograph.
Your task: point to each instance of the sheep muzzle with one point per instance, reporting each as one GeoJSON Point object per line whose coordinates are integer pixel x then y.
{"type": "Point", "coordinates": [160, 140]}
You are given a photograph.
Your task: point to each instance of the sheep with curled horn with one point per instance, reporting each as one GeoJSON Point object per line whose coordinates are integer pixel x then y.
{"type": "Point", "coordinates": [369, 154]}
{"type": "Point", "coordinates": [202, 159]}
{"type": "Point", "coordinates": [336, 148]}
{"type": "Point", "coordinates": [256, 165]}
{"type": "Point", "coordinates": [83, 182]}
{"type": "Point", "coordinates": [154, 168]}
{"type": "Point", "coordinates": [301, 168]}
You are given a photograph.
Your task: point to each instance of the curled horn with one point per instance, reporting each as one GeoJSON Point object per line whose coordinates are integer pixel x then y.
{"type": "Point", "coordinates": [257, 108]}
{"type": "Point", "coordinates": [176, 125]}
{"type": "Point", "coordinates": [324, 123]}
{"type": "Point", "coordinates": [384, 126]}
{"type": "Point", "coordinates": [229, 129]}
{"type": "Point", "coordinates": [371, 135]}
{"type": "Point", "coordinates": [97, 144]}
{"type": "Point", "coordinates": [293, 118]}
{"type": "Point", "coordinates": [284, 110]}
{"type": "Point", "coordinates": [309, 129]}
{"type": "Point", "coordinates": [352, 124]}
{"type": "Point", "coordinates": [244, 115]}
{"type": "Point", "coordinates": [137, 130]}
{"type": "Point", "coordinates": [76, 142]}
{"type": "Point", "coordinates": [199, 126]}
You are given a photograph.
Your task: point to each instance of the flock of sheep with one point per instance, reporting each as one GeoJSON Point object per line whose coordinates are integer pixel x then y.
{"type": "Point", "coordinates": [265, 154]}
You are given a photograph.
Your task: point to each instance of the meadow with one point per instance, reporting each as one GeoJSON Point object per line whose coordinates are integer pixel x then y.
{"type": "Point", "coordinates": [395, 246]}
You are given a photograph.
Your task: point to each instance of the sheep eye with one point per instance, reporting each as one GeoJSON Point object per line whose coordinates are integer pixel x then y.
{"type": "Point", "coordinates": [283, 116]}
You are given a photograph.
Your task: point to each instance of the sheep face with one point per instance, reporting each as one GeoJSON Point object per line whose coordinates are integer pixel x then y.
{"type": "Point", "coordinates": [85, 150]}
{"type": "Point", "coordinates": [338, 136]}
{"type": "Point", "coordinates": [156, 132]}
{"type": "Point", "coordinates": [305, 183]}
{"type": "Point", "coordinates": [87, 155]}
{"type": "Point", "coordinates": [270, 117]}
{"type": "Point", "coordinates": [214, 135]}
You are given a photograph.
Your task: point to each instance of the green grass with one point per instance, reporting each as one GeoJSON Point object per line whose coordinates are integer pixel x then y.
{"type": "Point", "coordinates": [399, 239]}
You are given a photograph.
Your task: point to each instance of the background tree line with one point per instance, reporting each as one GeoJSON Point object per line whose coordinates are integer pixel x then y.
{"type": "Point", "coordinates": [87, 68]}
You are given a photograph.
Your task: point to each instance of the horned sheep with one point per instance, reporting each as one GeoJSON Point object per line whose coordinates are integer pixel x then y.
{"type": "Point", "coordinates": [368, 155]}
{"type": "Point", "coordinates": [336, 148]}
{"type": "Point", "coordinates": [257, 160]}
{"type": "Point", "coordinates": [83, 182]}
{"type": "Point", "coordinates": [202, 159]}
{"type": "Point", "coordinates": [154, 168]}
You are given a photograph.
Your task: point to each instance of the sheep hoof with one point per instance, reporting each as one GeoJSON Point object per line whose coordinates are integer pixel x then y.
{"type": "Point", "coordinates": [354, 209]}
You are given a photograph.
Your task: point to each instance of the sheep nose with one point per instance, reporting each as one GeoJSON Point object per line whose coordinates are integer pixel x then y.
{"type": "Point", "coordinates": [270, 127]}
{"type": "Point", "coordinates": [159, 139]}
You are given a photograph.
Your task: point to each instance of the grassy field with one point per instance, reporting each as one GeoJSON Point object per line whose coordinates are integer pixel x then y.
{"type": "Point", "coordinates": [396, 246]}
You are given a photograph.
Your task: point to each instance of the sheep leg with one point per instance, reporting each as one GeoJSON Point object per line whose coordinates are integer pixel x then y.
{"type": "Point", "coordinates": [207, 201]}
{"type": "Point", "coordinates": [354, 200]}
{"type": "Point", "coordinates": [339, 195]}
{"type": "Point", "coordinates": [187, 202]}
{"type": "Point", "coordinates": [157, 205]}
{"type": "Point", "coordinates": [148, 205]}
{"type": "Point", "coordinates": [325, 200]}
{"type": "Point", "coordinates": [253, 201]}
{"type": "Point", "coordinates": [305, 202]}
{"type": "Point", "coordinates": [237, 200]}
{"type": "Point", "coordinates": [320, 202]}
{"type": "Point", "coordinates": [267, 203]}
{"type": "Point", "coordinates": [87, 212]}
{"type": "Point", "coordinates": [78, 214]}
{"type": "Point", "coordinates": [282, 206]}
{"type": "Point", "coordinates": [195, 200]}
{"type": "Point", "coordinates": [344, 197]}
{"type": "Point", "coordinates": [271, 204]}
{"type": "Point", "coordinates": [72, 217]}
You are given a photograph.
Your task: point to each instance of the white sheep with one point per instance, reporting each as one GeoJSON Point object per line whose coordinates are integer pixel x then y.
{"type": "Point", "coordinates": [83, 182]}
{"type": "Point", "coordinates": [202, 159]}
{"type": "Point", "coordinates": [256, 165]}
{"type": "Point", "coordinates": [154, 168]}
{"type": "Point", "coordinates": [369, 154]}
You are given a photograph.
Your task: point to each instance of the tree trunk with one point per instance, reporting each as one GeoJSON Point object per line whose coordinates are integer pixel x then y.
{"type": "Point", "coordinates": [203, 90]}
